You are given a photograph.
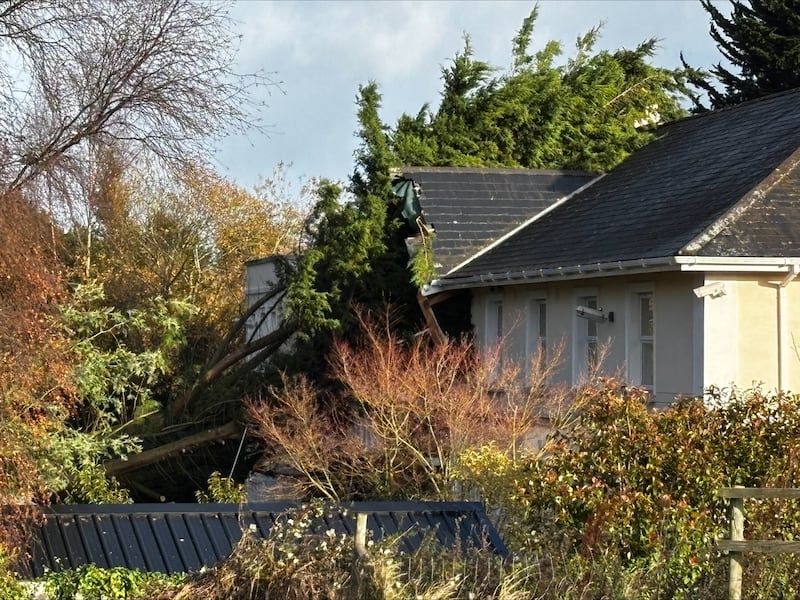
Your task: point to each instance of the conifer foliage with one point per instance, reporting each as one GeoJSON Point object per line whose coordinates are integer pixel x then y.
{"type": "Point", "coordinates": [761, 40]}
{"type": "Point", "coordinates": [586, 112]}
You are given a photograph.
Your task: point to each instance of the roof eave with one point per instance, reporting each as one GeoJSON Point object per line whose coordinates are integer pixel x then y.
{"type": "Point", "coordinates": [738, 264]}
{"type": "Point", "coordinates": [583, 271]}
{"type": "Point", "coordinates": [707, 264]}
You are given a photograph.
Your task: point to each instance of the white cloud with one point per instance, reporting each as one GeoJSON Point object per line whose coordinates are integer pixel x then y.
{"type": "Point", "coordinates": [322, 51]}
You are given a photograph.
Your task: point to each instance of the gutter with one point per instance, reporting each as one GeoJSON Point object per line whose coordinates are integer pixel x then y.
{"type": "Point", "coordinates": [737, 264]}
{"type": "Point", "coordinates": [604, 269]}
{"type": "Point", "coordinates": [729, 264]}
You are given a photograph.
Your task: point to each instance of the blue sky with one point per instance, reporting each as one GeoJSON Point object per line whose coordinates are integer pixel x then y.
{"type": "Point", "coordinates": [322, 51]}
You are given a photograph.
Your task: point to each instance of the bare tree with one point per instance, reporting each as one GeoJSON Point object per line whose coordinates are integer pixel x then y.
{"type": "Point", "coordinates": [157, 75]}
{"type": "Point", "coordinates": [407, 413]}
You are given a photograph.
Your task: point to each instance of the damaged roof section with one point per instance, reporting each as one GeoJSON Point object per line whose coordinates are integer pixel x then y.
{"type": "Point", "coordinates": [469, 208]}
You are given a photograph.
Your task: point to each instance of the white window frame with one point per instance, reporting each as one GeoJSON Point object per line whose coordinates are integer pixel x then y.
{"type": "Point", "coordinates": [494, 334]}
{"type": "Point", "coordinates": [535, 329]}
{"type": "Point", "coordinates": [582, 334]}
{"type": "Point", "coordinates": [636, 339]}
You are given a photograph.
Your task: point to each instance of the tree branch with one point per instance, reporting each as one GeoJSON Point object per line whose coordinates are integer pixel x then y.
{"type": "Point", "coordinates": [148, 457]}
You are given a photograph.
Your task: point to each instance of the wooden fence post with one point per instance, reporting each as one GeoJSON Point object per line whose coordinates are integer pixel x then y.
{"type": "Point", "coordinates": [736, 557]}
{"type": "Point", "coordinates": [361, 535]}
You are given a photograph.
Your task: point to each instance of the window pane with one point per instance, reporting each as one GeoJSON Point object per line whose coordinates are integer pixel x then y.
{"type": "Point", "coordinates": [542, 320]}
{"type": "Point", "coordinates": [647, 363]}
{"type": "Point", "coordinates": [646, 313]}
{"type": "Point", "coordinates": [591, 354]}
{"type": "Point", "coordinates": [499, 320]}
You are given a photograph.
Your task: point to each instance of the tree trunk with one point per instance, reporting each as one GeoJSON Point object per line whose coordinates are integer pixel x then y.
{"type": "Point", "coordinates": [148, 457]}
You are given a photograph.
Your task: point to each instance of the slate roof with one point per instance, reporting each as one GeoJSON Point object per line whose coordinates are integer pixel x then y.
{"type": "Point", "coordinates": [177, 538]}
{"type": "Point", "coordinates": [723, 183]}
{"type": "Point", "coordinates": [469, 208]}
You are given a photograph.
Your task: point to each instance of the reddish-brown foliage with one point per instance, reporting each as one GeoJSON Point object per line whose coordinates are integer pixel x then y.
{"type": "Point", "coordinates": [33, 362]}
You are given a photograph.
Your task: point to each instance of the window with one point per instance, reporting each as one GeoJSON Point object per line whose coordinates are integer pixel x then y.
{"type": "Point", "coordinates": [494, 334]}
{"type": "Point", "coordinates": [591, 336]}
{"type": "Point", "coordinates": [585, 354]}
{"type": "Point", "coordinates": [494, 323]}
{"type": "Point", "coordinates": [536, 342]}
{"type": "Point", "coordinates": [646, 339]}
{"type": "Point", "coordinates": [641, 336]}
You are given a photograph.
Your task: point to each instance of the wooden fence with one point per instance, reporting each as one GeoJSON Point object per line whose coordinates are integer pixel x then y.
{"type": "Point", "coordinates": [737, 545]}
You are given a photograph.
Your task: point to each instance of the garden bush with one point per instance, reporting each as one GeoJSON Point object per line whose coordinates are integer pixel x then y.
{"type": "Point", "coordinates": [637, 489]}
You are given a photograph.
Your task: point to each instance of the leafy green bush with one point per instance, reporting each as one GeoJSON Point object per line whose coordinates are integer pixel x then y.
{"type": "Point", "coordinates": [637, 489]}
{"type": "Point", "coordinates": [222, 489]}
{"type": "Point", "coordinates": [10, 587]}
{"type": "Point", "coordinates": [90, 582]}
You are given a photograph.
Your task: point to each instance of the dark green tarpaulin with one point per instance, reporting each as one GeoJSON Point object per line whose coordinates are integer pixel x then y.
{"type": "Point", "coordinates": [404, 189]}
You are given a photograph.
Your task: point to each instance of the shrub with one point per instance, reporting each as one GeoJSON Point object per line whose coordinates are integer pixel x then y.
{"type": "Point", "coordinates": [90, 582]}
{"type": "Point", "coordinates": [638, 489]}
{"type": "Point", "coordinates": [222, 489]}
{"type": "Point", "coordinates": [404, 413]}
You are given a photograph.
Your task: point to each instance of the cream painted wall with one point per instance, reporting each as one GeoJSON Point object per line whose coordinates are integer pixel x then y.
{"type": "Point", "coordinates": [675, 339]}
{"type": "Point", "coordinates": [747, 341]}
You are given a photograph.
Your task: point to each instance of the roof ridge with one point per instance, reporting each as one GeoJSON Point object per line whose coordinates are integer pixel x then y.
{"type": "Point", "coordinates": [727, 109]}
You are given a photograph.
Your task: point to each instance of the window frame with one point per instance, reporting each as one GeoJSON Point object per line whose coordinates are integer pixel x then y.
{"type": "Point", "coordinates": [637, 338]}
{"type": "Point", "coordinates": [585, 335]}
{"type": "Point", "coordinates": [536, 329]}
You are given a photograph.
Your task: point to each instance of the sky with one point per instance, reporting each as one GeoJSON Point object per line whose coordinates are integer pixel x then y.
{"type": "Point", "coordinates": [321, 51]}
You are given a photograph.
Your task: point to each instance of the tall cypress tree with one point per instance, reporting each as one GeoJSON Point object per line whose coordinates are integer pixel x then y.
{"type": "Point", "coordinates": [761, 39]}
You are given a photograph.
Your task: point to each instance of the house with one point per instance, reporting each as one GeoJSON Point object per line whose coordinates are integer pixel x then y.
{"type": "Point", "coordinates": [179, 538]}
{"type": "Point", "coordinates": [461, 211]}
{"type": "Point", "coordinates": [262, 278]}
{"type": "Point", "coordinates": [682, 262]}
{"type": "Point", "coordinates": [457, 211]}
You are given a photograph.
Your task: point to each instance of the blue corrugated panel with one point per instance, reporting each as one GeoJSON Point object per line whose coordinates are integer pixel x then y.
{"type": "Point", "coordinates": [177, 538]}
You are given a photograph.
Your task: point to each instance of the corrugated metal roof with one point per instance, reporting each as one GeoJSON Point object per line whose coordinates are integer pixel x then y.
{"type": "Point", "coordinates": [177, 538]}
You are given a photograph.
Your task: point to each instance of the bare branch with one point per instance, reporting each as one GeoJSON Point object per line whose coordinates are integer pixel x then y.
{"type": "Point", "coordinates": [158, 74]}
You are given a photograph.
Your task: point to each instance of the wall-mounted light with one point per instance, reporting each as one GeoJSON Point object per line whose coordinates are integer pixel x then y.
{"type": "Point", "coordinates": [711, 290]}
{"type": "Point", "coordinates": [594, 314]}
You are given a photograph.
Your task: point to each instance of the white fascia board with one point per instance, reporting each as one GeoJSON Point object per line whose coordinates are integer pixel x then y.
{"type": "Point", "coordinates": [729, 264]}
{"type": "Point", "coordinates": [738, 264]}
{"type": "Point", "coordinates": [589, 271]}
{"type": "Point", "coordinates": [535, 217]}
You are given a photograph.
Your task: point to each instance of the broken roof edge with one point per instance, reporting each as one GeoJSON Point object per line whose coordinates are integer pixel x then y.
{"type": "Point", "coordinates": [524, 224]}
{"type": "Point", "coordinates": [710, 264]}
{"type": "Point", "coordinates": [739, 208]}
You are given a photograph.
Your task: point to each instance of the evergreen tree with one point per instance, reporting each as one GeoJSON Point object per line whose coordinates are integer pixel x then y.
{"type": "Point", "coordinates": [587, 113]}
{"type": "Point", "coordinates": [761, 40]}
